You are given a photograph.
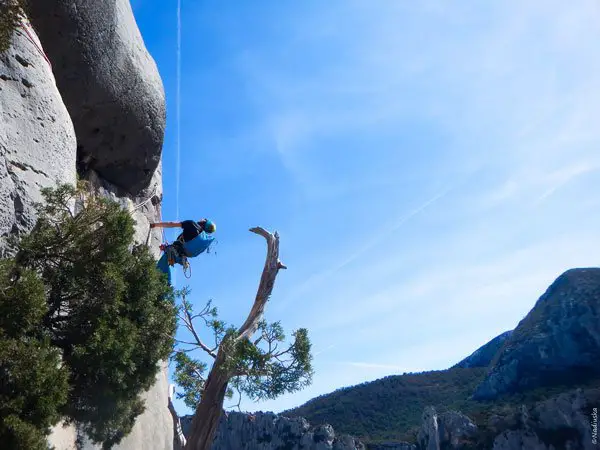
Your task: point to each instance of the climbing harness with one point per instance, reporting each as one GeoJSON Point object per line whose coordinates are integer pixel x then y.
{"type": "Point", "coordinates": [176, 251]}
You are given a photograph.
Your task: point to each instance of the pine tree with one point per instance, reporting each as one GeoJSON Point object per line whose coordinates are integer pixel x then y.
{"type": "Point", "coordinates": [107, 311]}
{"type": "Point", "coordinates": [252, 365]}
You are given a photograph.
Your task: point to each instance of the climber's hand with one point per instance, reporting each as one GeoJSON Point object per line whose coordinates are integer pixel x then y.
{"type": "Point", "coordinates": [152, 225]}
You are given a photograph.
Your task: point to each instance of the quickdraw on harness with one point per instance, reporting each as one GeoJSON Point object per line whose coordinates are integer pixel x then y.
{"type": "Point", "coordinates": [174, 252]}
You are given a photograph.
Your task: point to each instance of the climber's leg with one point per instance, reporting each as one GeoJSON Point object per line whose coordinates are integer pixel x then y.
{"type": "Point", "coordinates": [163, 266]}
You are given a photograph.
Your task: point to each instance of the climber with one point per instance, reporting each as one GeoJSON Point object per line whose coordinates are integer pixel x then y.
{"type": "Point", "coordinates": [193, 241]}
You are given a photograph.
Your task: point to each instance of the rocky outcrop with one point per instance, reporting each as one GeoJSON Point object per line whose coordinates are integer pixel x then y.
{"type": "Point", "coordinates": [483, 356]}
{"type": "Point", "coordinates": [110, 85]}
{"type": "Point", "coordinates": [557, 342]}
{"type": "Point", "coordinates": [449, 430]}
{"type": "Point", "coordinates": [268, 431]}
{"type": "Point", "coordinates": [429, 436]}
{"type": "Point", "coordinates": [37, 139]}
{"type": "Point", "coordinates": [563, 422]}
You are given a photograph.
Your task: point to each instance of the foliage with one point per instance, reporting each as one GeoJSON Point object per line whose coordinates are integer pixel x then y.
{"type": "Point", "coordinates": [391, 407]}
{"type": "Point", "coordinates": [107, 309]}
{"type": "Point", "coordinates": [189, 374]}
{"type": "Point", "coordinates": [260, 369]}
{"type": "Point", "coordinates": [33, 383]}
{"type": "Point", "coordinates": [10, 17]}
{"type": "Point", "coordinates": [268, 372]}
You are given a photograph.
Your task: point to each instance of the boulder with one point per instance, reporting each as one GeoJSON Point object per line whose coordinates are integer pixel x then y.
{"type": "Point", "coordinates": [449, 430]}
{"type": "Point", "coordinates": [110, 85]}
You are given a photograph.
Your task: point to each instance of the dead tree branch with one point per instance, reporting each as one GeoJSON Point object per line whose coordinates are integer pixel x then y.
{"type": "Point", "coordinates": [267, 281]}
{"type": "Point", "coordinates": [210, 408]}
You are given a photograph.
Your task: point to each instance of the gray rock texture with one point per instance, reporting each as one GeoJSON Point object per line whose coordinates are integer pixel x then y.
{"type": "Point", "coordinates": [37, 139]}
{"type": "Point", "coordinates": [455, 430]}
{"type": "Point", "coordinates": [557, 342]}
{"type": "Point", "coordinates": [110, 85]}
{"type": "Point", "coordinates": [429, 436]}
{"type": "Point", "coordinates": [449, 430]}
{"type": "Point", "coordinates": [561, 423]}
{"type": "Point", "coordinates": [483, 356]}
{"type": "Point", "coordinates": [393, 446]}
{"type": "Point", "coordinates": [268, 431]}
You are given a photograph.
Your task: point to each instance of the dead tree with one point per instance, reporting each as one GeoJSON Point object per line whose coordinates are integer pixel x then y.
{"type": "Point", "coordinates": [259, 372]}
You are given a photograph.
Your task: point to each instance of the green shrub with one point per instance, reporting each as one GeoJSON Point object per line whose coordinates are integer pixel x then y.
{"type": "Point", "coordinates": [104, 308]}
{"type": "Point", "coordinates": [10, 18]}
{"type": "Point", "coordinates": [33, 382]}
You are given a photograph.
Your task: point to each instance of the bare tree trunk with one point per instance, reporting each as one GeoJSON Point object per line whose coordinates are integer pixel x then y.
{"type": "Point", "coordinates": [208, 414]}
{"type": "Point", "coordinates": [178, 438]}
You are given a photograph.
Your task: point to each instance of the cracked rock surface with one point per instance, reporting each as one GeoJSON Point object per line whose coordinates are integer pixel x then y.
{"type": "Point", "coordinates": [37, 139]}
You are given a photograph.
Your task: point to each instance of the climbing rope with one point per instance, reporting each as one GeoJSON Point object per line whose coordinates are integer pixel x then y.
{"type": "Point", "coordinates": [136, 207]}
{"type": "Point", "coordinates": [26, 26]}
{"type": "Point", "coordinates": [178, 113]}
{"type": "Point", "coordinates": [187, 269]}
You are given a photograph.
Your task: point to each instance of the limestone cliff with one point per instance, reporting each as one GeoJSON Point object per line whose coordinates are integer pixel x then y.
{"type": "Point", "coordinates": [268, 431]}
{"type": "Point", "coordinates": [37, 139]}
{"type": "Point", "coordinates": [71, 100]}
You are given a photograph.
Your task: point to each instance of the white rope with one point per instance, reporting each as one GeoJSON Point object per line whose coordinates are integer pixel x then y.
{"type": "Point", "coordinates": [178, 120]}
{"type": "Point", "coordinates": [135, 207]}
{"type": "Point", "coordinates": [178, 111]}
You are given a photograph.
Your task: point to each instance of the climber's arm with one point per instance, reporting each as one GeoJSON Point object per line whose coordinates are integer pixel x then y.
{"type": "Point", "coordinates": [166, 225]}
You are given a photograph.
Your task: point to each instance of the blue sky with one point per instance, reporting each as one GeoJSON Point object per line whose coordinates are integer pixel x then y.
{"type": "Point", "coordinates": [430, 166]}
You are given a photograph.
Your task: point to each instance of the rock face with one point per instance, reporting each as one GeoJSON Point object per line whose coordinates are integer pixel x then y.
{"type": "Point", "coordinates": [483, 356]}
{"type": "Point", "coordinates": [450, 430]}
{"type": "Point", "coordinates": [557, 342]}
{"type": "Point", "coordinates": [37, 139]}
{"type": "Point", "coordinates": [393, 446]}
{"type": "Point", "coordinates": [563, 422]}
{"type": "Point", "coordinates": [110, 85]}
{"type": "Point", "coordinates": [268, 431]}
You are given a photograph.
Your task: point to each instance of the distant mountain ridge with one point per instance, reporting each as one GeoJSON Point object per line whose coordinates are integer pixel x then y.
{"type": "Point", "coordinates": [483, 356]}
{"type": "Point", "coordinates": [553, 350]}
{"type": "Point", "coordinates": [557, 342]}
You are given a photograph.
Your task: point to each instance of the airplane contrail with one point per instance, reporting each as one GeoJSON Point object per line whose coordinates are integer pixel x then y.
{"type": "Point", "coordinates": [370, 244]}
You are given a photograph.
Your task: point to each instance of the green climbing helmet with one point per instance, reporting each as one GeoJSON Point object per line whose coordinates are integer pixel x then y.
{"type": "Point", "coordinates": [209, 226]}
